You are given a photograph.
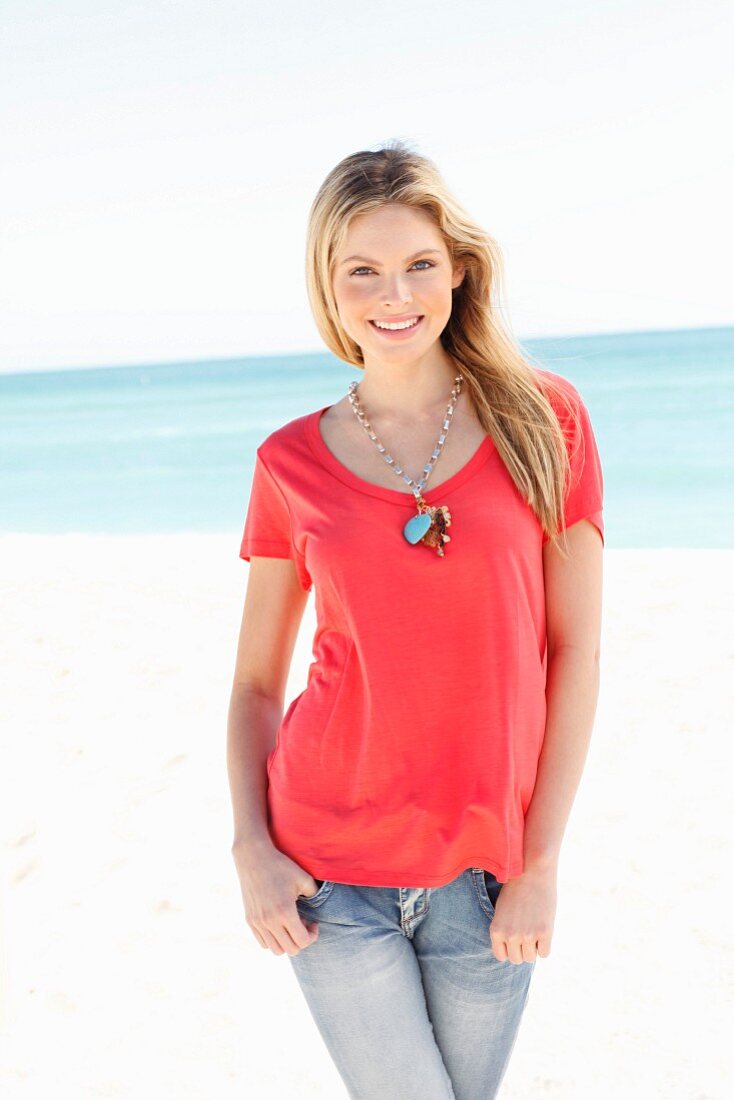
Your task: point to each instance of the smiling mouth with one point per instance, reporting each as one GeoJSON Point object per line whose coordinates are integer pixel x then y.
{"type": "Point", "coordinates": [398, 326]}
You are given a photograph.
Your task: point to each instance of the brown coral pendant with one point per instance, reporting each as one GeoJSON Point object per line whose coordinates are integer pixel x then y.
{"type": "Point", "coordinates": [429, 526]}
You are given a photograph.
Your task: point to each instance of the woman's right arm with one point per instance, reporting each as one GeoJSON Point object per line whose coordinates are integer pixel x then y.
{"type": "Point", "coordinates": [270, 881]}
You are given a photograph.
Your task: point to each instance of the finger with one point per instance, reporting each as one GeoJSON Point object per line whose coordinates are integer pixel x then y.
{"type": "Point", "coordinates": [257, 931]}
{"type": "Point", "coordinates": [297, 935]}
{"type": "Point", "coordinates": [499, 946]}
{"type": "Point", "coordinates": [258, 937]}
{"type": "Point", "coordinates": [529, 950]}
{"type": "Point", "coordinates": [272, 942]}
{"type": "Point", "coordinates": [514, 951]}
{"type": "Point", "coordinates": [544, 946]}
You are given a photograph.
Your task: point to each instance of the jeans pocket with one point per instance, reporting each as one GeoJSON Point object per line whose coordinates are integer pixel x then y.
{"type": "Point", "coordinates": [492, 887]}
{"type": "Point", "coordinates": [488, 889]}
{"type": "Point", "coordinates": [324, 888]}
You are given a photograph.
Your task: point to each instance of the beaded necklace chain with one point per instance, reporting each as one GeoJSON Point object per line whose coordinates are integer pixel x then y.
{"type": "Point", "coordinates": [429, 524]}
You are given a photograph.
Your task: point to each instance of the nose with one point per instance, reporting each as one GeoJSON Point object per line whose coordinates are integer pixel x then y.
{"type": "Point", "coordinates": [396, 291]}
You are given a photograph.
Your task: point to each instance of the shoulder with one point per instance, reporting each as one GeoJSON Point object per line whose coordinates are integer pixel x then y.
{"type": "Point", "coordinates": [565, 400]}
{"type": "Point", "coordinates": [560, 391]}
{"type": "Point", "coordinates": [285, 440]}
{"type": "Point", "coordinates": [287, 453]}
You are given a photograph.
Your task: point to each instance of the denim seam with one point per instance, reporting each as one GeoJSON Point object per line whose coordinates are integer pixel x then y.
{"type": "Point", "coordinates": [481, 889]}
{"type": "Point", "coordinates": [407, 923]}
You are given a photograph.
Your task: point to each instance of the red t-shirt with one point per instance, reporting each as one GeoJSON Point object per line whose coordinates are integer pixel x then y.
{"type": "Point", "coordinates": [412, 752]}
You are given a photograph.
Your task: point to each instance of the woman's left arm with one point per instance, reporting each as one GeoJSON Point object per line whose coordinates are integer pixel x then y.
{"type": "Point", "coordinates": [525, 911]}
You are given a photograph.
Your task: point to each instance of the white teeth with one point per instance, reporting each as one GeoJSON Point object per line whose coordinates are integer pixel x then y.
{"type": "Point", "coordinates": [397, 325]}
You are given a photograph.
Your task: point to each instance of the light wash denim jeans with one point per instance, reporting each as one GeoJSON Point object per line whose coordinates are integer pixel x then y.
{"type": "Point", "coordinates": [406, 991]}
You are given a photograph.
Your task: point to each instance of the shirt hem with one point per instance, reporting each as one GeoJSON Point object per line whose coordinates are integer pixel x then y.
{"type": "Point", "coordinates": [354, 876]}
{"type": "Point", "coordinates": [264, 548]}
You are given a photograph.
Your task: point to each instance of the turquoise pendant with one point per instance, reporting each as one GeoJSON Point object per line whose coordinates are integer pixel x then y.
{"type": "Point", "coordinates": [429, 526]}
{"type": "Point", "coordinates": [416, 527]}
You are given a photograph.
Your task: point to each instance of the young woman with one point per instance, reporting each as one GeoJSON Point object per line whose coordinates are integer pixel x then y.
{"type": "Point", "coordinates": [397, 831]}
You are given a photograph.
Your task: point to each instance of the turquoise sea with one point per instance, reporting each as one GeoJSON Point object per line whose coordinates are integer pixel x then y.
{"type": "Point", "coordinates": [169, 447]}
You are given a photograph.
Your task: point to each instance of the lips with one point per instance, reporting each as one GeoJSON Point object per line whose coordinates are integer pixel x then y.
{"type": "Point", "coordinates": [398, 336]}
{"type": "Point", "coordinates": [398, 333]}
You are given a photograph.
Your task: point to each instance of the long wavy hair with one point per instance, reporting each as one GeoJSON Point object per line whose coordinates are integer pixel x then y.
{"type": "Point", "coordinates": [509, 394]}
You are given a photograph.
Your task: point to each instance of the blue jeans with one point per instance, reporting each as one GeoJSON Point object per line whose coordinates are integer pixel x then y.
{"type": "Point", "coordinates": [406, 991]}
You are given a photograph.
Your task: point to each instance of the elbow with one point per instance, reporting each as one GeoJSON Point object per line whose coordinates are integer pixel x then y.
{"type": "Point", "coordinates": [587, 654]}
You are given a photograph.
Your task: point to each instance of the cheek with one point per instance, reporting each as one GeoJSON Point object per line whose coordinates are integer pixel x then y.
{"type": "Point", "coordinates": [438, 292]}
{"type": "Point", "coordinates": [353, 303]}
{"type": "Point", "coordinates": [354, 294]}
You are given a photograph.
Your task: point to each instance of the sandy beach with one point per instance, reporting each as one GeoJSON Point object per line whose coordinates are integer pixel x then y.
{"type": "Point", "coordinates": [126, 965]}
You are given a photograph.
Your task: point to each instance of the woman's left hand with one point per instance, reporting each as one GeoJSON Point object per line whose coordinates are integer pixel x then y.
{"type": "Point", "coordinates": [522, 925]}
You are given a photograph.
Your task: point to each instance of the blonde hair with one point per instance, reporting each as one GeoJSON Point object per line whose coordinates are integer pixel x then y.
{"type": "Point", "coordinates": [507, 391]}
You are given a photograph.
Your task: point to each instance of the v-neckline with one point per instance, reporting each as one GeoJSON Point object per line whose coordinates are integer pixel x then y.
{"type": "Point", "coordinates": [434, 494]}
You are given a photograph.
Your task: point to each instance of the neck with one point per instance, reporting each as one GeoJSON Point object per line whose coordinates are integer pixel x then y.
{"type": "Point", "coordinates": [407, 393]}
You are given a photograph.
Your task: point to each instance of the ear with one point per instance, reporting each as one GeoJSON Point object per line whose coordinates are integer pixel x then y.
{"type": "Point", "coordinates": [458, 276]}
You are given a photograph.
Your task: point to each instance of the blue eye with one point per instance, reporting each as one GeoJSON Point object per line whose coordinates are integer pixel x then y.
{"type": "Point", "coordinates": [428, 262]}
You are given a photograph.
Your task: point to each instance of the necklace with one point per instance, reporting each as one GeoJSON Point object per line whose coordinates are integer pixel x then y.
{"type": "Point", "coordinates": [429, 524]}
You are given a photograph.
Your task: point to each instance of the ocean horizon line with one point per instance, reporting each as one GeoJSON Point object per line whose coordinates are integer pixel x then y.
{"type": "Point", "coordinates": [315, 353]}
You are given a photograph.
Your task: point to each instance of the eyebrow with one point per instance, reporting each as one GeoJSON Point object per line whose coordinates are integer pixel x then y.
{"type": "Point", "coordinates": [420, 252]}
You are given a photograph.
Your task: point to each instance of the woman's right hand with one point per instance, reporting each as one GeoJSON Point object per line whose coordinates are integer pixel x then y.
{"type": "Point", "coordinates": [270, 883]}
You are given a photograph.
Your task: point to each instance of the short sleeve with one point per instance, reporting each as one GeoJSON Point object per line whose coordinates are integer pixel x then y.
{"type": "Point", "coordinates": [585, 491]}
{"type": "Point", "coordinates": [267, 531]}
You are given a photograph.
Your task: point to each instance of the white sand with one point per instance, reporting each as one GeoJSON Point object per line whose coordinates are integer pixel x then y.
{"type": "Point", "coordinates": [127, 968]}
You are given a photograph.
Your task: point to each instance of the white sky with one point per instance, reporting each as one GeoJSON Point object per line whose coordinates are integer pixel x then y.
{"type": "Point", "coordinates": [159, 159]}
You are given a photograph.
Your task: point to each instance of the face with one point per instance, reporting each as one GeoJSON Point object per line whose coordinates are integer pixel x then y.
{"type": "Point", "coordinates": [394, 267]}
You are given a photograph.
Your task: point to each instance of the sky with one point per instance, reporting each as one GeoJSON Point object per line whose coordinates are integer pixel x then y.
{"type": "Point", "coordinates": [160, 159]}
